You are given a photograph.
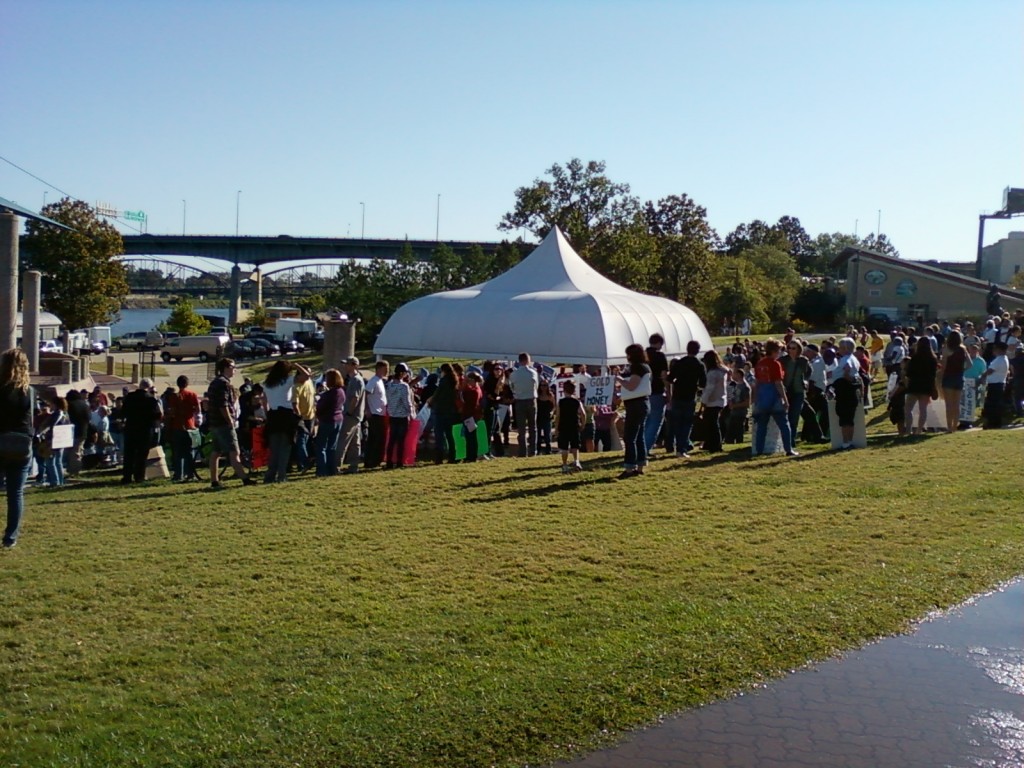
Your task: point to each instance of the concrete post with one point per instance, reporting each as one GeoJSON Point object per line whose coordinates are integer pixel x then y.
{"type": "Point", "coordinates": [235, 297]}
{"type": "Point", "coordinates": [136, 376]}
{"type": "Point", "coordinates": [67, 371]}
{"type": "Point", "coordinates": [110, 365]}
{"type": "Point", "coordinates": [257, 287]}
{"type": "Point", "coordinates": [8, 279]}
{"type": "Point", "coordinates": [30, 292]}
{"type": "Point", "coordinates": [339, 342]}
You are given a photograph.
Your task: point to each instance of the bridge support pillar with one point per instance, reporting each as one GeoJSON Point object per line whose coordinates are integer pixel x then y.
{"type": "Point", "coordinates": [257, 287]}
{"type": "Point", "coordinates": [30, 317]}
{"type": "Point", "coordinates": [9, 279]}
{"type": "Point", "coordinates": [235, 297]}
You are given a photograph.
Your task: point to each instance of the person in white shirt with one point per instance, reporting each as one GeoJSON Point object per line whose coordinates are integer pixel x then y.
{"type": "Point", "coordinates": [376, 415]}
{"type": "Point", "coordinates": [995, 381]}
{"type": "Point", "coordinates": [524, 381]}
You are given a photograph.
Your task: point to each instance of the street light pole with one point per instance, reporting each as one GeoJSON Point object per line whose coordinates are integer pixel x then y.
{"type": "Point", "coordinates": [437, 226]}
{"type": "Point", "coordinates": [362, 232]}
{"type": "Point", "coordinates": [184, 210]}
{"type": "Point", "coordinates": [45, 193]}
{"type": "Point", "coordinates": [238, 201]}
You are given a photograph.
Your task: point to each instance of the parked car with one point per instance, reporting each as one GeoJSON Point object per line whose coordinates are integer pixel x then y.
{"type": "Point", "coordinates": [140, 340]}
{"type": "Point", "coordinates": [96, 347]}
{"type": "Point", "coordinates": [220, 330]}
{"type": "Point", "coordinates": [204, 347]}
{"type": "Point", "coordinates": [51, 345]}
{"type": "Point", "coordinates": [291, 346]}
{"type": "Point", "coordinates": [265, 348]}
{"type": "Point", "coordinates": [240, 349]}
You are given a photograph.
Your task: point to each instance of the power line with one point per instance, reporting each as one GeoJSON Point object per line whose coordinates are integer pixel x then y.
{"type": "Point", "coordinates": [43, 181]}
{"type": "Point", "coordinates": [117, 219]}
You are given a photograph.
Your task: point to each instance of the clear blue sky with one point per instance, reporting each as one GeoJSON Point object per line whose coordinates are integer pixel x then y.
{"type": "Point", "coordinates": [827, 111]}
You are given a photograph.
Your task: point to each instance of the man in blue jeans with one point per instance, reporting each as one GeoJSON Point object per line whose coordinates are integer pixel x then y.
{"type": "Point", "coordinates": [659, 371]}
{"type": "Point", "coordinates": [685, 375]}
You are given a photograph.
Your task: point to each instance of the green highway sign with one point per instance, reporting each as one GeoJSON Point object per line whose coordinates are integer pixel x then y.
{"type": "Point", "coordinates": [135, 215]}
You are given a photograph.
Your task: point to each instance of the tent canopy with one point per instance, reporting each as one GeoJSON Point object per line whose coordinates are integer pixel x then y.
{"type": "Point", "coordinates": [552, 305]}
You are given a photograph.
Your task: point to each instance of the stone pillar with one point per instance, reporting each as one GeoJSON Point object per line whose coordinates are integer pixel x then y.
{"type": "Point", "coordinates": [8, 279]}
{"type": "Point", "coordinates": [136, 376]}
{"type": "Point", "coordinates": [235, 297]}
{"type": "Point", "coordinates": [339, 342]}
{"type": "Point", "coordinates": [110, 365]}
{"type": "Point", "coordinates": [30, 318]}
{"type": "Point", "coordinates": [257, 287]}
{"type": "Point", "coordinates": [67, 371]}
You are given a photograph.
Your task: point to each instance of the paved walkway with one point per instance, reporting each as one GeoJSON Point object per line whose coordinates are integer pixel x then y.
{"type": "Point", "coordinates": [950, 694]}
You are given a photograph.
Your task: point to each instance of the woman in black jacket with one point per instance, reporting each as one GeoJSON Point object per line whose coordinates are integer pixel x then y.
{"type": "Point", "coordinates": [15, 437]}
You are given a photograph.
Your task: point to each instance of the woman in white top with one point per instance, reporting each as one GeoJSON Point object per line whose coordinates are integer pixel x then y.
{"type": "Point", "coordinates": [282, 420]}
{"type": "Point", "coordinates": [636, 397]}
{"type": "Point", "coordinates": [713, 400]}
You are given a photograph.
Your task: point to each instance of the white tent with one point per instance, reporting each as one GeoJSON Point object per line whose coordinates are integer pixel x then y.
{"type": "Point", "coordinates": [552, 305]}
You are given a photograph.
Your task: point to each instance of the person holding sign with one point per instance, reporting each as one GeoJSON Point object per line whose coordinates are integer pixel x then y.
{"type": "Point", "coordinates": [636, 395]}
{"type": "Point", "coordinates": [570, 420]}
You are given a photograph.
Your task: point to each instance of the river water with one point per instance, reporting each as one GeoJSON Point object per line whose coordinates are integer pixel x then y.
{"type": "Point", "coordinates": [133, 320]}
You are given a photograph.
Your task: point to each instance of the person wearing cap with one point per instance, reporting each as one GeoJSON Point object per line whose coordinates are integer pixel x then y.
{"type": "Point", "coordinates": [142, 415]}
{"type": "Point", "coordinates": [352, 424]}
{"type": "Point", "coordinates": [223, 422]}
{"type": "Point", "coordinates": [304, 403]}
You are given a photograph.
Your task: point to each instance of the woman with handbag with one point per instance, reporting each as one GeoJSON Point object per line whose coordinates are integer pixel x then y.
{"type": "Point", "coordinates": [636, 396]}
{"type": "Point", "coordinates": [713, 401]}
{"type": "Point", "coordinates": [15, 437]}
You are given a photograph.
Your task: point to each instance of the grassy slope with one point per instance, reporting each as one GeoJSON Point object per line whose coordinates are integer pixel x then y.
{"type": "Point", "coordinates": [472, 615]}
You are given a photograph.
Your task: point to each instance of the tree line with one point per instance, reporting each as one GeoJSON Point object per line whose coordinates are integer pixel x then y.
{"type": "Point", "coordinates": [775, 274]}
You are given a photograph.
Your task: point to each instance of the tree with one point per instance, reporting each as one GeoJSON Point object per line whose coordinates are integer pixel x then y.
{"type": "Point", "coordinates": [477, 266]}
{"type": "Point", "coordinates": [685, 243]}
{"type": "Point", "coordinates": [445, 271]}
{"type": "Point", "coordinates": [1017, 281]}
{"type": "Point", "coordinates": [879, 244]}
{"type": "Point", "coordinates": [733, 294]}
{"type": "Point", "coordinates": [751, 235]}
{"type": "Point", "coordinates": [801, 247]}
{"type": "Point", "coordinates": [584, 203]}
{"type": "Point", "coordinates": [312, 304]}
{"type": "Point", "coordinates": [84, 283]}
{"type": "Point", "coordinates": [258, 316]}
{"type": "Point", "coordinates": [775, 275]}
{"type": "Point", "coordinates": [184, 320]}
{"type": "Point", "coordinates": [508, 255]}
{"type": "Point", "coordinates": [827, 248]}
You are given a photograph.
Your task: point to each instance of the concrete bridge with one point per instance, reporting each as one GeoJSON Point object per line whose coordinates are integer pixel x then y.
{"type": "Point", "coordinates": [257, 251]}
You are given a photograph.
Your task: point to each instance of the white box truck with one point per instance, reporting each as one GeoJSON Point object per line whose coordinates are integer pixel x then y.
{"type": "Point", "coordinates": [286, 327]}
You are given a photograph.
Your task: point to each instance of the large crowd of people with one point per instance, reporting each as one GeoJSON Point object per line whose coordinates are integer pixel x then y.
{"type": "Point", "coordinates": [293, 423]}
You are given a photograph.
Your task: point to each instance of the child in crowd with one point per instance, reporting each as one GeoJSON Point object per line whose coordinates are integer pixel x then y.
{"type": "Point", "coordinates": [738, 397]}
{"type": "Point", "coordinates": [571, 419]}
{"type": "Point", "coordinates": [604, 422]}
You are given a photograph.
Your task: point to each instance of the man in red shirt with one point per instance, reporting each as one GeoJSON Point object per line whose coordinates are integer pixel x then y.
{"type": "Point", "coordinates": [182, 416]}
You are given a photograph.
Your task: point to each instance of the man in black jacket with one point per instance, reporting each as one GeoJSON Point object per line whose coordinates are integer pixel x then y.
{"type": "Point", "coordinates": [78, 413]}
{"type": "Point", "coordinates": [142, 414]}
{"type": "Point", "coordinates": [686, 375]}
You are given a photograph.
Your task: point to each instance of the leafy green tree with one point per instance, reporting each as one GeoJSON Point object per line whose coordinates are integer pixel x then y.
{"type": "Point", "coordinates": [686, 245]}
{"type": "Point", "coordinates": [84, 283]}
{"type": "Point", "coordinates": [775, 275]}
{"type": "Point", "coordinates": [751, 235]}
{"type": "Point", "coordinates": [445, 270]}
{"type": "Point", "coordinates": [801, 246]}
{"type": "Point", "coordinates": [477, 266]}
{"type": "Point", "coordinates": [628, 255]}
{"type": "Point", "coordinates": [184, 320]}
{"type": "Point", "coordinates": [258, 316]}
{"type": "Point", "coordinates": [507, 255]}
{"type": "Point", "coordinates": [580, 199]}
{"type": "Point", "coordinates": [733, 293]}
{"type": "Point", "coordinates": [879, 244]}
{"type": "Point", "coordinates": [312, 304]}
{"type": "Point", "coordinates": [826, 247]}
{"type": "Point", "coordinates": [1017, 281]}
{"type": "Point", "coordinates": [818, 306]}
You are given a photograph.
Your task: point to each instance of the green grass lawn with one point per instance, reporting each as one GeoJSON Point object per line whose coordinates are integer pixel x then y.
{"type": "Point", "coordinates": [494, 614]}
